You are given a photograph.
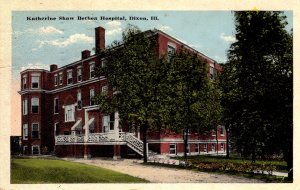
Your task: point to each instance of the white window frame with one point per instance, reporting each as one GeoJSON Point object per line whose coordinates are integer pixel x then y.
{"type": "Point", "coordinates": [79, 100]}
{"type": "Point", "coordinates": [92, 96]}
{"type": "Point", "coordinates": [35, 76]}
{"type": "Point", "coordinates": [25, 106]}
{"type": "Point", "coordinates": [79, 68]}
{"type": "Point", "coordinates": [213, 132]}
{"type": "Point", "coordinates": [54, 103]}
{"type": "Point", "coordinates": [61, 78]}
{"type": "Point", "coordinates": [38, 104]}
{"type": "Point", "coordinates": [205, 148]}
{"type": "Point", "coordinates": [38, 149]}
{"type": "Point", "coordinates": [105, 123]}
{"type": "Point", "coordinates": [92, 70]}
{"type": "Point", "coordinates": [222, 130]}
{"type": "Point", "coordinates": [69, 113]}
{"type": "Point", "coordinates": [55, 79]}
{"type": "Point", "coordinates": [103, 63]}
{"type": "Point", "coordinates": [222, 147]}
{"type": "Point", "coordinates": [173, 149]}
{"type": "Point", "coordinates": [38, 127]}
{"type": "Point", "coordinates": [69, 77]}
{"type": "Point", "coordinates": [213, 147]}
{"type": "Point", "coordinates": [24, 82]}
{"type": "Point", "coordinates": [171, 50]}
{"type": "Point", "coordinates": [104, 89]}
{"type": "Point", "coordinates": [25, 131]}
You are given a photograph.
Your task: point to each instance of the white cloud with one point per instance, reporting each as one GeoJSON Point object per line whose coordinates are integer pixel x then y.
{"type": "Point", "coordinates": [227, 38]}
{"type": "Point", "coordinates": [49, 30]}
{"type": "Point", "coordinates": [113, 28]}
{"type": "Point", "coordinates": [70, 40]}
{"type": "Point", "coordinates": [220, 59]}
{"type": "Point", "coordinates": [37, 65]}
{"type": "Point", "coordinates": [164, 28]}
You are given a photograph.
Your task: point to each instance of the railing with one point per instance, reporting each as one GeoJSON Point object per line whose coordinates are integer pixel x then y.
{"type": "Point", "coordinates": [133, 142]}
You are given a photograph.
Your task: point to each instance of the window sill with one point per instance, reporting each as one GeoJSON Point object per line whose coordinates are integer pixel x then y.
{"type": "Point", "coordinates": [69, 121]}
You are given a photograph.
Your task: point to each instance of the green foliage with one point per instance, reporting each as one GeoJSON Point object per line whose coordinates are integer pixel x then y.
{"type": "Point", "coordinates": [257, 85]}
{"type": "Point", "coordinates": [58, 171]}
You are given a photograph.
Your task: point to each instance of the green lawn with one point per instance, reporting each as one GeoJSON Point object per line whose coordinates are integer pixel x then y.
{"type": "Point", "coordinates": [59, 171]}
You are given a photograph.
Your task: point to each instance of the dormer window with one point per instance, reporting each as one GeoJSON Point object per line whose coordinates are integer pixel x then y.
{"type": "Point", "coordinates": [92, 70]}
{"type": "Point", "coordinates": [35, 80]}
{"type": "Point", "coordinates": [70, 76]}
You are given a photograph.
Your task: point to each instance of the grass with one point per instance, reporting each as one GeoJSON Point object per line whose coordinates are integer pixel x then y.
{"type": "Point", "coordinates": [59, 171]}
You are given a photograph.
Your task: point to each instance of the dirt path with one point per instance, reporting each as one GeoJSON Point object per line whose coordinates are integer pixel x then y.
{"type": "Point", "coordinates": [157, 174]}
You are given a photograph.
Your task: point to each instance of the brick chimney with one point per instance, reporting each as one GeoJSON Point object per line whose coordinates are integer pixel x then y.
{"type": "Point", "coordinates": [100, 39]}
{"type": "Point", "coordinates": [53, 67]}
{"type": "Point", "coordinates": [85, 54]}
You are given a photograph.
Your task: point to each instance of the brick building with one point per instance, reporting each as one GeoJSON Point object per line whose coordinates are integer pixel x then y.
{"type": "Point", "coordinates": [59, 114]}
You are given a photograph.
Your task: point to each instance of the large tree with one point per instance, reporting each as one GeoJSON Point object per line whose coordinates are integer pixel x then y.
{"type": "Point", "coordinates": [257, 86]}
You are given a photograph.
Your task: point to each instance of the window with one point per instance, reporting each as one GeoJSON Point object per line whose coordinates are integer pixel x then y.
{"type": "Point", "coordinates": [55, 80]}
{"type": "Point", "coordinates": [188, 148]}
{"type": "Point", "coordinates": [205, 147]}
{"type": "Point", "coordinates": [69, 113]}
{"type": "Point", "coordinates": [222, 131]}
{"type": "Point", "coordinates": [25, 131]}
{"type": "Point", "coordinates": [222, 146]}
{"type": "Point", "coordinates": [70, 77]}
{"type": "Point", "coordinates": [56, 129]}
{"type": "Point", "coordinates": [171, 51]}
{"type": "Point", "coordinates": [213, 147]}
{"type": "Point", "coordinates": [103, 63]}
{"type": "Point", "coordinates": [79, 102]}
{"type": "Point", "coordinates": [92, 70]}
{"type": "Point", "coordinates": [212, 71]}
{"type": "Point", "coordinates": [213, 132]}
{"type": "Point", "coordinates": [34, 105]}
{"type": "Point", "coordinates": [60, 78]}
{"type": "Point", "coordinates": [25, 106]}
{"type": "Point", "coordinates": [56, 108]}
{"type": "Point", "coordinates": [79, 74]}
{"type": "Point", "coordinates": [196, 147]}
{"type": "Point", "coordinates": [35, 149]}
{"type": "Point", "coordinates": [25, 150]}
{"type": "Point", "coordinates": [24, 82]}
{"type": "Point", "coordinates": [111, 122]}
{"type": "Point", "coordinates": [35, 131]}
{"type": "Point", "coordinates": [105, 123]}
{"type": "Point", "coordinates": [172, 149]}
{"type": "Point", "coordinates": [35, 81]}
{"type": "Point", "coordinates": [105, 89]}
{"type": "Point", "coordinates": [92, 95]}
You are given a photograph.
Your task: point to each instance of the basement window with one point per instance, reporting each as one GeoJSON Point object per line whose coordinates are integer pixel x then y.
{"type": "Point", "coordinates": [35, 150]}
{"type": "Point", "coordinates": [172, 149]}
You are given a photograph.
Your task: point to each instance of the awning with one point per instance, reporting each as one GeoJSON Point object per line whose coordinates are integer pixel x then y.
{"type": "Point", "coordinates": [77, 125]}
{"type": "Point", "coordinates": [91, 124]}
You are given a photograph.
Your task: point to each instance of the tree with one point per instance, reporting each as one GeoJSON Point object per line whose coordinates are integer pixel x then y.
{"type": "Point", "coordinates": [257, 86]}
{"type": "Point", "coordinates": [132, 71]}
{"type": "Point", "coordinates": [190, 100]}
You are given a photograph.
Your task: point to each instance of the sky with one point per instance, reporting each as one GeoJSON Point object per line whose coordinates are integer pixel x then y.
{"type": "Point", "coordinates": [40, 43]}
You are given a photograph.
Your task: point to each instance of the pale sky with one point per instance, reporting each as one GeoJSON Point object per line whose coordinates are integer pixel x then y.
{"type": "Point", "coordinates": [38, 44]}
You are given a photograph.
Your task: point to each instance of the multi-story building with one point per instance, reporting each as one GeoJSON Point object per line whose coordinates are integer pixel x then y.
{"type": "Point", "coordinates": [59, 113]}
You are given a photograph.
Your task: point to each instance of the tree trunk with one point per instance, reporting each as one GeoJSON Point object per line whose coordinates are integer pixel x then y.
{"type": "Point", "coordinates": [227, 142]}
{"type": "Point", "coordinates": [185, 143]}
{"type": "Point", "coordinates": [253, 155]}
{"type": "Point", "coordinates": [144, 131]}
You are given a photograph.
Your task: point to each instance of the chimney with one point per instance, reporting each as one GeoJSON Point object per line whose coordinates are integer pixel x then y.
{"type": "Point", "coordinates": [85, 54]}
{"type": "Point", "coordinates": [53, 67]}
{"type": "Point", "coordinates": [100, 39]}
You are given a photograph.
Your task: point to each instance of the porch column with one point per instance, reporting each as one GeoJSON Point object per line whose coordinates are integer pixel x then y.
{"type": "Point", "coordinates": [117, 152]}
{"type": "Point", "coordinates": [86, 124]}
{"type": "Point", "coordinates": [116, 125]}
{"type": "Point", "coordinates": [86, 152]}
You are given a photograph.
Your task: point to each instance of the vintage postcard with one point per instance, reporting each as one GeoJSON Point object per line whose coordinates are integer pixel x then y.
{"type": "Point", "coordinates": [67, 113]}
